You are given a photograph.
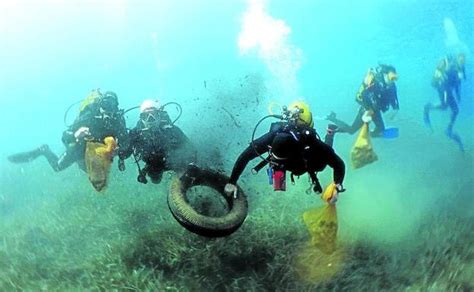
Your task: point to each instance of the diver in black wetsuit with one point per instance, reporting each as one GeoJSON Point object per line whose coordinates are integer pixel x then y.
{"type": "Point", "coordinates": [447, 80]}
{"type": "Point", "coordinates": [159, 143]}
{"type": "Point", "coordinates": [293, 147]}
{"type": "Point", "coordinates": [376, 95]}
{"type": "Point", "coordinates": [99, 118]}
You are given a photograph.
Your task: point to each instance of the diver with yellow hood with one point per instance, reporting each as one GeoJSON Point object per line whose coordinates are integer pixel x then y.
{"type": "Point", "coordinates": [292, 145]}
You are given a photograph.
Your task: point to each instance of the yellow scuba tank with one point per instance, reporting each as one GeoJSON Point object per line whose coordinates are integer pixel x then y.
{"type": "Point", "coordinates": [369, 78]}
{"type": "Point", "coordinates": [91, 98]}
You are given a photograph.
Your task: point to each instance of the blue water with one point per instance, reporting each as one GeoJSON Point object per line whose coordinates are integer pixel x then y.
{"type": "Point", "coordinates": [212, 55]}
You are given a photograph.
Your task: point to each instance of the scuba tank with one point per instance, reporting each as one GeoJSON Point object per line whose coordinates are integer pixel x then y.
{"type": "Point", "coordinates": [90, 99]}
{"type": "Point", "coordinates": [288, 118]}
{"type": "Point", "coordinates": [276, 174]}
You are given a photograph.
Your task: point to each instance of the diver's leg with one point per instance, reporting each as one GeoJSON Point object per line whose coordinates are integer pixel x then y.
{"type": "Point", "coordinates": [442, 94]}
{"type": "Point", "coordinates": [379, 124]}
{"type": "Point", "coordinates": [426, 114]}
{"type": "Point", "coordinates": [27, 156]}
{"type": "Point", "coordinates": [58, 164]}
{"type": "Point", "coordinates": [453, 105]}
{"type": "Point", "coordinates": [454, 113]}
{"type": "Point", "coordinates": [43, 150]}
{"type": "Point", "coordinates": [330, 132]}
{"type": "Point", "coordinates": [358, 122]}
{"type": "Point", "coordinates": [72, 154]}
{"type": "Point", "coordinates": [343, 127]}
{"type": "Point", "coordinates": [457, 90]}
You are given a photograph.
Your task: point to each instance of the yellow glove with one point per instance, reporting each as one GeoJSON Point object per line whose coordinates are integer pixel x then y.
{"type": "Point", "coordinates": [331, 193]}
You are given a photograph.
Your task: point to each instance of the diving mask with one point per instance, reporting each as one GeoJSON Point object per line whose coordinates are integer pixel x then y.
{"type": "Point", "coordinates": [149, 118]}
{"type": "Point", "coordinates": [105, 114]}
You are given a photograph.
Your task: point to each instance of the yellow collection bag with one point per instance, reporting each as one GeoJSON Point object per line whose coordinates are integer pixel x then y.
{"type": "Point", "coordinates": [322, 225]}
{"type": "Point", "coordinates": [98, 158]}
{"type": "Point", "coordinates": [362, 152]}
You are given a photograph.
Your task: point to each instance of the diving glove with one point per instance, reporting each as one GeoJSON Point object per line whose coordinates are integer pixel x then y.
{"type": "Point", "coordinates": [82, 133]}
{"type": "Point", "coordinates": [231, 189]}
{"type": "Point", "coordinates": [331, 194]}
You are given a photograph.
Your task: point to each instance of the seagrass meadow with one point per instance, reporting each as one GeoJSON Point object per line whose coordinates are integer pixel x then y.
{"type": "Point", "coordinates": [405, 221]}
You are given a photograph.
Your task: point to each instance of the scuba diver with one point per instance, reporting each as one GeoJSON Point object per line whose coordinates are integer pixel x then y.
{"type": "Point", "coordinates": [99, 117]}
{"type": "Point", "coordinates": [376, 95]}
{"type": "Point", "coordinates": [447, 80]}
{"type": "Point", "coordinates": [292, 145]}
{"type": "Point", "coordinates": [158, 142]}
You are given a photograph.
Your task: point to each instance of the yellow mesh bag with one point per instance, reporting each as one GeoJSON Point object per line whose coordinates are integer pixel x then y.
{"type": "Point", "coordinates": [362, 152]}
{"type": "Point", "coordinates": [322, 226]}
{"type": "Point", "coordinates": [98, 158]}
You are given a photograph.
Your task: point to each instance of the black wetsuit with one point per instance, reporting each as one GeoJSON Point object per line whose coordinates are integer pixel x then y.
{"type": "Point", "coordinates": [100, 124]}
{"type": "Point", "coordinates": [164, 147]}
{"type": "Point", "coordinates": [378, 98]}
{"type": "Point", "coordinates": [311, 156]}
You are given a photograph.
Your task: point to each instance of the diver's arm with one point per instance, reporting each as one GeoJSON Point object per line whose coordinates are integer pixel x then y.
{"type": "Point", "coordinates": [259, 147]}
{"type": "Point", "coordinates": [83, 120]}
{"type": "Point", "coordinates": [337, 164]}
{"type": "Point", "coordinates": [126, 150]}
{"type": "Point", "coordinates": [123, 136]}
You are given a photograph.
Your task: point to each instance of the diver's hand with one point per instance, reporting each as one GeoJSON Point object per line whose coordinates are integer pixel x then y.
{"type": "Point", "coordinates": [121, 164]}
{"type": "Point", "coordinates": [231, 189]}
{"type": "Point", "coordinates": [332, 198]}
{"type": "Point", "coordinates": [367, 117]}
{"type": "Point", "coordinates": [82, 133]}
{"type": "Point", "coordinates": [339, 189]}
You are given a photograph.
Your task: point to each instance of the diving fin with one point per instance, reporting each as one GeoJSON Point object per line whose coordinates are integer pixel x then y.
{"type": "Point", "coordinates": [27, 156]}
{"type": "Point", "coordinates": [390, 133]}
{"type": "Point", "coordinates": [426, 116]}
